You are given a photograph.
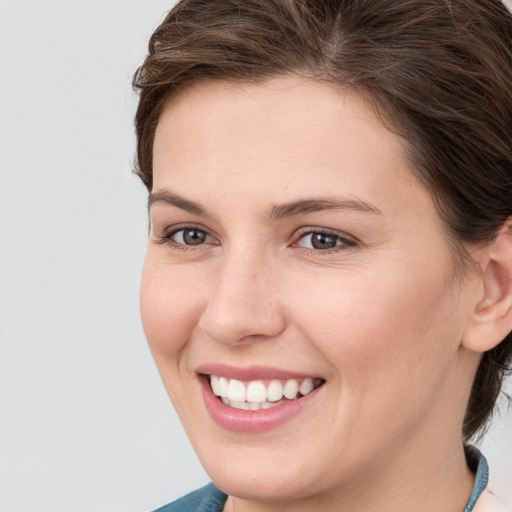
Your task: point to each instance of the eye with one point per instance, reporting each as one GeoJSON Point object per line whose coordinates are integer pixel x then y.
{"type": "Point", "coordinates": [186, 237]}
{"type": "Point", "coordinates": [191, 236]}
{"type": "Point", "coordinates": [323, 240]}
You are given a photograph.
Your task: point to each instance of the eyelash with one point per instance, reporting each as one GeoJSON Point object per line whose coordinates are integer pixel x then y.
{"type": "Point", "coordinates": [341, 241]}
{"type": "Point", "coordinates": [166, 238]}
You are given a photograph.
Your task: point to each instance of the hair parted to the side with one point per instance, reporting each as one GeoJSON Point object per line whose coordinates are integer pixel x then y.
{"type": "Point", "coordinates": [440, 71]}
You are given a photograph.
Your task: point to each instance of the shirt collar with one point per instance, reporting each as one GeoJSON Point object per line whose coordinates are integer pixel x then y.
{"type": "Point", "coordinates": [477, 463]}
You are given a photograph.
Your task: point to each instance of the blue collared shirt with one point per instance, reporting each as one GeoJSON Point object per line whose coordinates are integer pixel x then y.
{"type": "Point", "coordinates": [477, 463]}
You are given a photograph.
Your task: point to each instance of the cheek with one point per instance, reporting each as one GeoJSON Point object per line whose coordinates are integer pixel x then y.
{"type": "Point", "coordinates": [384, 336]}
{"type": "Point", "coordinates": [169, 309]}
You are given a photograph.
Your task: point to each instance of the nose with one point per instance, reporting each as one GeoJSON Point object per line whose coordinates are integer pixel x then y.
{"type": "Point", "coordinates": [244, 303]}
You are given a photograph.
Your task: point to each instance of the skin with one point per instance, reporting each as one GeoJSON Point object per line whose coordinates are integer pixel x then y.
{"type": "Point", "coordinates": [383, 317]}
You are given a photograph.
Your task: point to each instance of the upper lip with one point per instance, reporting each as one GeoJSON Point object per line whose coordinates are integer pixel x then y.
{"type": "Point", "coordinates": [250, 373]}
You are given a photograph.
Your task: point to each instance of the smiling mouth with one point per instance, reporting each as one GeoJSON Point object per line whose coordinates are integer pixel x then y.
{"type": "Point", "coordinates": [259, 394]}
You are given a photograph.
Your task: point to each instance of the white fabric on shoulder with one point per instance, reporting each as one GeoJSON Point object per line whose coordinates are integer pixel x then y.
{"type": "Point", "coordinates": [489, 502]}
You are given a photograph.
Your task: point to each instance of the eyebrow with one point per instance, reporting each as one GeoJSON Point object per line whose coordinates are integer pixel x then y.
{"type": "Point", "coordinates": [164, 196]}
{"type": "Point", "coordinates": [279, 211]}
{"type": "Point", "coordinates": [305, 206]}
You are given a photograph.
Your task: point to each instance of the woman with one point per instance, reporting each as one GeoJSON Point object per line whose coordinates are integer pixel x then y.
{"type": "Point", "coordinates": [327, 291]}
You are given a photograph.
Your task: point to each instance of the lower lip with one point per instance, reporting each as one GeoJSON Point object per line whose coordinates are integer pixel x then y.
{"type": "Point", "coordinates": [240, 420]}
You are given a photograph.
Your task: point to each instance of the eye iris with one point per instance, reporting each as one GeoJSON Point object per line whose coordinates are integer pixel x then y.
{"type": "Point", "coordinates": [193, 236]}
{"type": "Point", "coordinates": [323, 241]}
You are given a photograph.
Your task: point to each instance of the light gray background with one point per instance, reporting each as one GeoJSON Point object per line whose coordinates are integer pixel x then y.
{"type": "Point", "coordinates": [85, 425]}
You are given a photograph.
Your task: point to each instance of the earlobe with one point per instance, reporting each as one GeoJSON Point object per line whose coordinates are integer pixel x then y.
{"type": "Point", "coordinates": [491, 321]}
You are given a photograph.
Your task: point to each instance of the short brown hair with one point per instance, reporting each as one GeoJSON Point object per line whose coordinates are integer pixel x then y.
{"type": "Point", "coordinates": [440, 71]}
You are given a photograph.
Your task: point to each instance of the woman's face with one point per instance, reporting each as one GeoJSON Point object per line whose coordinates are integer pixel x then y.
{"type": "Point", "coordinates": [291, 247]}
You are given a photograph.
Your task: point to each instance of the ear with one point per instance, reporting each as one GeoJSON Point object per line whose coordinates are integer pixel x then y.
{"type": "Point", "coordinates": [491, 320]}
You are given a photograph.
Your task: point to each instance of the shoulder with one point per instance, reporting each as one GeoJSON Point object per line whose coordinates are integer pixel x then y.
{"type": "Point", "coordinates": [483, 499]}
{"type": "Point", "coordinates": [206, 499]}
{"type": "Point", "coordinates": [489, 502]}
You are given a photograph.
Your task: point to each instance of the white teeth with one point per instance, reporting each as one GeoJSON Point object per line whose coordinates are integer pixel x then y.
{"type": "Point", "coordinates": [290, 389]}
{"type": "Point", "coordinates": [256, 391]}
{"type": "Point", "coordinates": [236, 391]}
{"type": "Point", "coordinates": [223, 387]}
{"type": "Point", "coordinates": [306, 386]}
{"type": "Point", "coordinates": [274, 391]}
{"type": "Point", "coordinates": [256, 406]}
{"type": "Point", "coordinates": [240, 405]}
{"type": "Point", "coordinates": [255, 395]}
{"type": "Point", "coordinates": [214, 382]}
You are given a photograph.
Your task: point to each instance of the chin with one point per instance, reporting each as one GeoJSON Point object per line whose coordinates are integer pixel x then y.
{"type": "Point", "coordinates": [263, 474]}
{"type": "Point", "coordinates": [260, 484]}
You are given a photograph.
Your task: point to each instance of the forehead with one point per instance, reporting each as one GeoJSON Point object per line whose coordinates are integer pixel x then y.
{"type": "Point", "coordinates": [281, 106]}
{"type": "Point", "coordinates": [279, 139]}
